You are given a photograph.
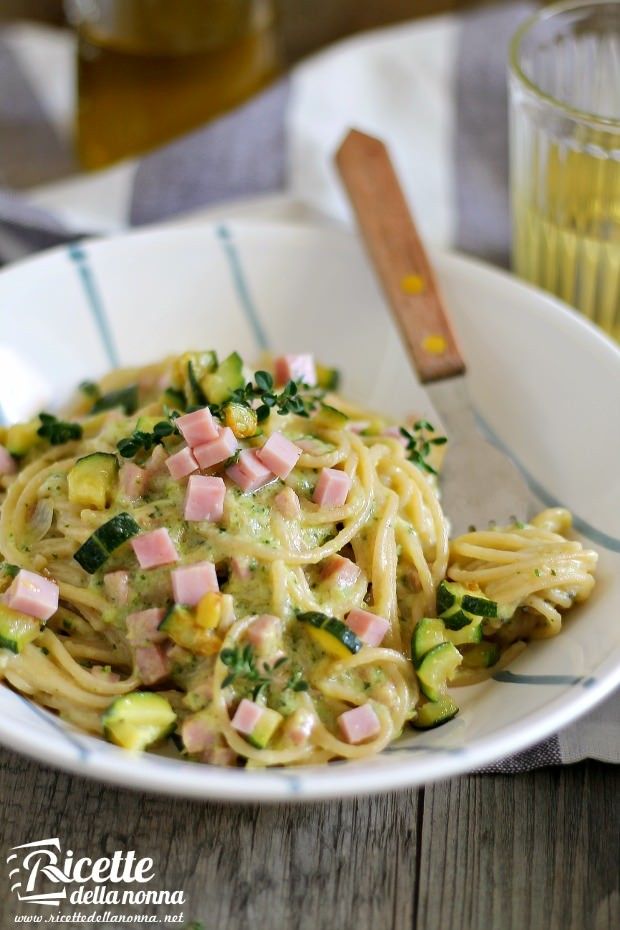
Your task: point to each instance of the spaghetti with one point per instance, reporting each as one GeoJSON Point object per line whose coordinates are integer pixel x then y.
{"type": "Point", "coordinates": [251, 570]}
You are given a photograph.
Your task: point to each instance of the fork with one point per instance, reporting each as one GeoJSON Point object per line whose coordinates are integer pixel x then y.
{"type": "Point", "coordinates": [480, 484]}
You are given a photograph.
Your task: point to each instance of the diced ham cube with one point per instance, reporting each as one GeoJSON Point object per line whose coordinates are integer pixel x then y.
{"type": "Point", "coordinates": [218, 450]}
{"type": "Point", "coordinates": [240, 565]}
{"type": "Point", "coordinates": [143, 627]}
{"type": "Point", "coordinates": [152, 664]}
{"type": "Point", "coordinates": [264, 632]}
{"type": "Point", "coordinates": [332, 488]}
{"type": "Point", "coordinates": [279, 454]}
{"type": "Point", "coordinates": [198, 733]}
{"type": "Point", "coordinates": [359, 724]}
{"type": "Point", "coordinates": [116, 586]}
{"type": "Point", "coordinates": [247, 716]}
{"type": "Point", "coordinates": [287, 502]}
{"type": "Point", "coordinates": [220, 755]}
{"type": "Point", "coordinates": [340, 571]}
{"type": "Point", "coordinates": [370, 628]}
{"type": "Point", "coordinates": [295, 368]}
{"type": "Point", "coordinates": [32, 594]}
{"type": "Point", "coordinates": [154, 548]}
{"type": "Point", "coordinates": [191, 582]}
{"type": "Point", "coordinates": [8, 465]}
{"type": "Point", "coordinates": [132, 480]}
{"type": "Point", "coordinates": [182, 463]}
{"type": "Point", "coordinates": [249, 472]}
{"type": "Point", "coordinates": [204, 499]}
{"type": "Point", "coordinates": [197, 427]}
{"type": "Point", "coordinates": [299, 726]}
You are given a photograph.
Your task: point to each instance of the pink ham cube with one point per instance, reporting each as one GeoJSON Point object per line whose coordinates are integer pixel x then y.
{"type": "Point", "coordinates": [197, 427]}
{"type": "Point", "coordinates": [370, 628]}
{"type": "Point", "coordinates": [152, 664]}
{"type": "Point", "coordinates": [240, 565]}
{"type": "Point", "coordinates": [218, 450]}
{"type": "Point", "coordinates": [199, 733]}
{"type": "Point", "coordinates": [32, 594]}
{"type": "Point", "coordinates": [264, 633]}
{"type": "Point", "coordinates": [279, 454]}
{"type": "Point", "coordinates": [247, 716]}
{"type": "Point", "coordinates": [182, 463]}
{"type": "Point", "coordinates": [249, 472]}
{"type": "Point", "coordinates": [340, 571]}
{"type": "Point", "coordinates": [8, 465]}
{"type": "Point", "coordinates": [191, 582]}
{"type": "Point", "coordinates": [295, 368]}
{"type": "Point", "coordinates": [359, 724]}
{"type": "Point", "coordinates": [143, 626]}
{"type": "Point", "coordinates": [116, 586]}
{"type": "Point", "coordinates": [132, 480]}
{"type": "Point", "coordinates": [287, 502]}
{"type": "Point", "coordinates": [154, 548]}
{"type": "Point", "coordinates": [332, 488]}
{"type": "Point", "coordinates": [204, 499]}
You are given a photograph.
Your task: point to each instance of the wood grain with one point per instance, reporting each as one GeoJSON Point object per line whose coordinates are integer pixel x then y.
{"type": "Point", "coordinates": [399, 257]}
{"type": "Point", "coordinates": [537, 851]}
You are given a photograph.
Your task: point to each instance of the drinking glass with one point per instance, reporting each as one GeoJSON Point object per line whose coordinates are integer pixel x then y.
{"type": "Point", "coordinates": [564, 79]}
{"type": "Point", "coordinates": [148, 70]}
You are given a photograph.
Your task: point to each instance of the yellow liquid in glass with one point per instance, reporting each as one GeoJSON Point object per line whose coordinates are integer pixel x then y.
{"type": "Point", "coordinates": [159, 69]}
{"type": "Point", "coordinates": [566, 215]}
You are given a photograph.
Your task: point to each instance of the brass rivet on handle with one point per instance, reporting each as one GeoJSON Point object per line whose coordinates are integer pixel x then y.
{"type": "Point", "coordinates": [412, 284]}
{"type": "Point", "coordinates": [434, 344]}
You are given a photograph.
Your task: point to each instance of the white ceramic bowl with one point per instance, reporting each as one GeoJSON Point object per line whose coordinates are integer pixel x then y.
{"type": "Point", "coordinates": [545, 382]}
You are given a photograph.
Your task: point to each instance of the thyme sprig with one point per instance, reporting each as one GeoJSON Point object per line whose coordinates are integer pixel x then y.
{"type": "Point", "coordinates": [295, 397]}
{"type": "Point", "coordinates": [419, 443]}
{"type": "Point", "coordinates": [242, 669]}
{"type": "Point", "coordinates": [143, 441]}
{"type": "Point", "coordinates": [56, 431]}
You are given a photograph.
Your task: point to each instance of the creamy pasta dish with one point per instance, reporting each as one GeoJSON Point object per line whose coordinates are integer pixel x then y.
{"type": "Point", "coordinates": [242, 568]}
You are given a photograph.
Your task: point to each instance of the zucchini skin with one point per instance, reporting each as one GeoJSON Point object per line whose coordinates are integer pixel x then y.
{"type": "Point", "coordinates": [99, 546]}
{"type": "Point", "coordinates": [126, 721]}
{"type": "Point", "coordinates": [435, 714]}
{"type": "Point", "coordinates": [127, 398]}
{"type": "Point", "coordinates": [428, 632]}
{"type": "Point", "coordinates": [16, 629]}
{"type": "Point", "coordinates": [445, 659]}
{"type": "Point", "coordinates": [342, 634]}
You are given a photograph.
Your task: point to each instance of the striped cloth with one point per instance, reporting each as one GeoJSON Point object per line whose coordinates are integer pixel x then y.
{"type": "Point", "coordinates": [435, 90]}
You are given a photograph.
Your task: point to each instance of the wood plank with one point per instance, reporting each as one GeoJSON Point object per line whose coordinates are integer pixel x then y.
{"type": "Point", "coordinates": [342, 864]}
{"type": "Point", "coordinates": [537, 851]}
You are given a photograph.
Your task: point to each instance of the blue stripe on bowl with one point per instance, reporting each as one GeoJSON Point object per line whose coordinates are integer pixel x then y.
{"type": "Point", "coordinates": [516, 678]}
{"type": "Point", "coordinates": [3, 419]}
{"type": "Point", "coordinates": [78, 255]}
{"type": "Point", "coordinates": [599, 537]}
{"type": "Point", "coordinates": [242, 288]}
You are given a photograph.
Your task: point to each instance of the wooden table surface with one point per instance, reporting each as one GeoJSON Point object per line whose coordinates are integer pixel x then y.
{"type": "Point", "coordinates": [537, 851]}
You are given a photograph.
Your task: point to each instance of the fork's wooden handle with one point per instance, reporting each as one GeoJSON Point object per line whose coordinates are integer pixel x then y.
{"type": "Point", "coordinates": [399, 256]}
